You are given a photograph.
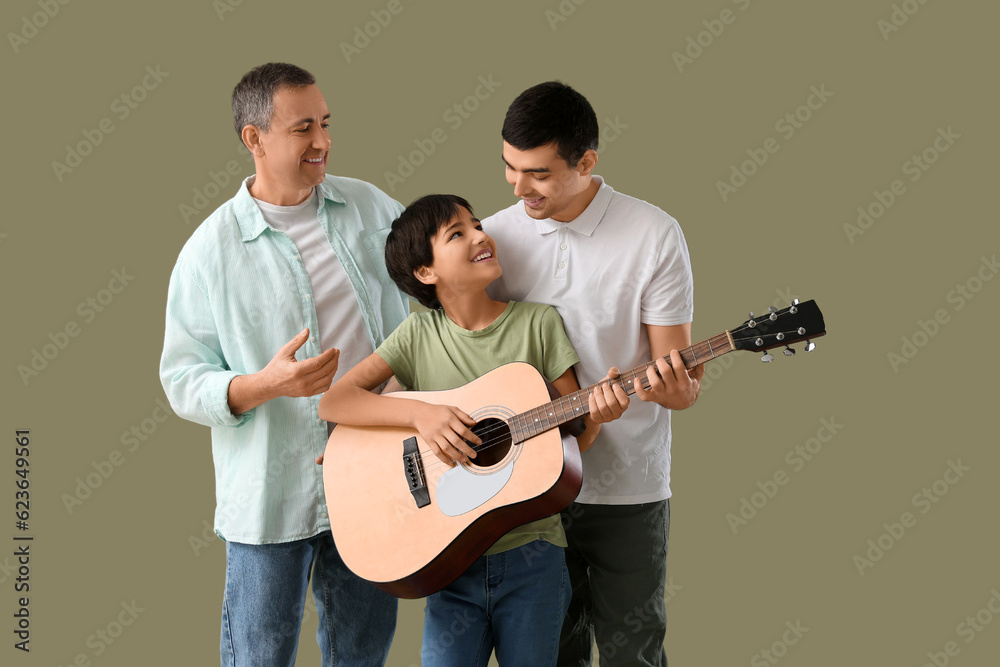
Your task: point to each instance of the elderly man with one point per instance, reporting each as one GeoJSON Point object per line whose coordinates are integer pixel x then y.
{"type": "Point", "coordinates": [275, 291]}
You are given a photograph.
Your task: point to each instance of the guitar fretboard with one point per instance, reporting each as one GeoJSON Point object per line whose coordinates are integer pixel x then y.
{"type": "Point", "coordinates": [551, 415]}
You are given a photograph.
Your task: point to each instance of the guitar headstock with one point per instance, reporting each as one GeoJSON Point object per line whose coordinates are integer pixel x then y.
{"type": "Point", "coordinates": [800, 321]}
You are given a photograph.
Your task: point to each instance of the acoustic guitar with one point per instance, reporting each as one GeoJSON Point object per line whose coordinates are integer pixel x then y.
{"type": "Point", "coordinates": [411, 524]}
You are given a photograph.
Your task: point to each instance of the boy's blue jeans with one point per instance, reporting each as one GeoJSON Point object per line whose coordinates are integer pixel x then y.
{"type": "Point", "coordinates": [265, 597]}
{"type": "Point", "coordinates": [513, 602]}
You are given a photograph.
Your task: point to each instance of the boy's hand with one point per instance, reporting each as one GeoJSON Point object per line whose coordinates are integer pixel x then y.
{"type": "Point", "coordinates": [445, 429]}
{"type": "Point", "coordinates": [609, 401]}
{"type": "Point", "coordinates": [674, 387]}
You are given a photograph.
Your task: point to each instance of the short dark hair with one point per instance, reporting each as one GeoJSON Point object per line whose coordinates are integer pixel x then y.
{"type": "Point", "coordinates": [408, 246]}
{"type": "Point", "coordinates": [552, 112]}
{"type": "Point", "coordinates": [253, 96]}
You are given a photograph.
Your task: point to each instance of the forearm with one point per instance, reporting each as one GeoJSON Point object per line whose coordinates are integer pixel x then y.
{"type": "Point", "coordinates": [246, 392]}
{"type": "Point", "coordinates": [345, 403]}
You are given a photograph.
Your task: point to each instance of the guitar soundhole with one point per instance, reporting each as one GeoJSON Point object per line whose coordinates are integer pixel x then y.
{"type": "Point", "coordinates": [496, 442]}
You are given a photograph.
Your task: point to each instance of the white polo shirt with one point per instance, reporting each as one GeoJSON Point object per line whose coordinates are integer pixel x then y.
{"type": "Point", "coordinates": [621, 264]}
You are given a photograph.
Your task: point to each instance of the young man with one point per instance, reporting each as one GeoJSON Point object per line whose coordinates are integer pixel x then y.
{"type": "Point", "coordinates": [512, 599]}
{"type": "Point", "coordinates": [617, 270]}
{"type": "Point", "coordinates": [292, 263]}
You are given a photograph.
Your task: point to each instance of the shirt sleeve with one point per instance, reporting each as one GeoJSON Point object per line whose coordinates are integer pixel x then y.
{"type": "Point", "coordinates": [193, 370]}
{"type": "Point", "coordinates": [558, 352]}
{"type": "Point", "coordinates": [669, 297]}
{"type": "Point", "coordinates": [397, 351]}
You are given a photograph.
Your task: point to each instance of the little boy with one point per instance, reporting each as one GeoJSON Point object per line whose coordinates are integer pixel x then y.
{"type": "Point", "coordinates": [512, 599]}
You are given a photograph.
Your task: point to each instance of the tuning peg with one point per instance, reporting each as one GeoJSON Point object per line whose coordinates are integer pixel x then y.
{"type": "Point", "coordinates": [789, 352]}
{"type": "Point", "coordinates": [768, 357]}
{"type": "Point", "coordinates": [810, 346]}
{"type": "Point", "coordinates": [792, 309]}
{"type": "Point", "coordinates": [774, 313]}
{"type": "Point", "coordinates": [750, 322]}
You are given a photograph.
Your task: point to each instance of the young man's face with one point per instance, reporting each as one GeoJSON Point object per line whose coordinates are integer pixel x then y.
{"type": "Point", "coordinates": [547, 185]}
{"type": "Point", "coordinates": [297, 144]}
{"type": "Point", "coordinates": [464, 256]}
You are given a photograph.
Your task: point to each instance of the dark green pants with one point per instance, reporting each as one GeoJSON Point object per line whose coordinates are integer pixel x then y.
{"type": "Point", "coordinates": [617, 560]}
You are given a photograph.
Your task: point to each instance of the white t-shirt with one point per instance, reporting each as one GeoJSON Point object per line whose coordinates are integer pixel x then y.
{"type": "Point", "coordinates": [621, 264]}
{"type": "Point", "coordinates": [336, 307]}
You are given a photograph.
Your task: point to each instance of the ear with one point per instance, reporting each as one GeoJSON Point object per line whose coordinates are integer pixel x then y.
{"type": "Point", "coordinates": [587, 163]}
{"type": "Point", "coordinates": [251, 139]}
{"type": "Point", "coordinates": [426, 275]}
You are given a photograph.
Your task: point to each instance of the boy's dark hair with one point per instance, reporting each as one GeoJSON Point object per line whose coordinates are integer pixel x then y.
{"type": "Point", "coordinates": [253, 96]}
{"type": "Point", "coordinates": [408, 246]}
{"type": "Point", "coordinates": [552, 112]}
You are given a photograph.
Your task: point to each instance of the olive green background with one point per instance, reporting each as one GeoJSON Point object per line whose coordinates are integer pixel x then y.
{"type": "Point", "coordinates": [671, 134]}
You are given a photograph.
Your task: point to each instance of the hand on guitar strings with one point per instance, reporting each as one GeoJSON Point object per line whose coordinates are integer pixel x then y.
{"type": "Point", "coordinates": [671, 384]}
{"type": "Point", "coordinates": [609, 401]}
{"type": "Point", "coordinates": [445, 429]}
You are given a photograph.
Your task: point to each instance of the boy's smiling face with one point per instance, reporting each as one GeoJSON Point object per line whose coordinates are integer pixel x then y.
{"type": "Point", "coordinates": [465, 257]}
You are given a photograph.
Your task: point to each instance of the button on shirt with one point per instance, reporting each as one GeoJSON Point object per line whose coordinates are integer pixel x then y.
{"type": "Point", "coordinates": [238, 292]}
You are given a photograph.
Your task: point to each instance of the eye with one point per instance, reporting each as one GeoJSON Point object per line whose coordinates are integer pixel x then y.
{"type": "Point", "coordinates": [541, 178]}
{"type": "Point", "coordinates": [454, 236]}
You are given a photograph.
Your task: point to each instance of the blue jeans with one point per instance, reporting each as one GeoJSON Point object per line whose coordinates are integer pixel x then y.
{"type": "Point", "coordinates": [513, 602]}
{"type": "Point", "coordinates": [265, 599]}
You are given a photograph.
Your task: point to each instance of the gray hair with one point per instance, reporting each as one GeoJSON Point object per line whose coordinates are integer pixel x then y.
{"type": "Point", "coordinates": [253, 96]}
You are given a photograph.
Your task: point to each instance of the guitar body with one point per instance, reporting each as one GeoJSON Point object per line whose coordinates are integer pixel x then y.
{"type": "Point", "coordinates": [408, 550]}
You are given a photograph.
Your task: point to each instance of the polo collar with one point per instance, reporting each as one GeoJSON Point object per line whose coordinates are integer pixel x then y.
{"type": "Point", "coordinates": [251, 221]}
{"type": "Point", "coordinates": [585, 223]}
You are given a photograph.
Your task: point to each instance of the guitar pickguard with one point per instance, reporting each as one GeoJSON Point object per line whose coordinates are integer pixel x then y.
{"type": "Point", "coordinates": [460, 491]}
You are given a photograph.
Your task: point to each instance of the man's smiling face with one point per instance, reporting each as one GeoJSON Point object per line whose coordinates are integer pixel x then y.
{"type": "Point", "coordinates": [547, 185]}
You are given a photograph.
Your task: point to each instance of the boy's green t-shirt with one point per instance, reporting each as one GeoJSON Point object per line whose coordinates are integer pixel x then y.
{"type": "Point", "coordinates": [429, 352]}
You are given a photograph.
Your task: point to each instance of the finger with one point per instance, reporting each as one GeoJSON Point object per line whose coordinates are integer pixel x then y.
{"type": "Point", "coordinates": [319, 362]}
{"type": "Point", "coordinates": [461, 442]}
{"type": "Point", "coordinates": [289, 348]}
{"type": "Point", "coordinates": [621, 396]}
{"type": "Point", "coordinates": [453, 450]}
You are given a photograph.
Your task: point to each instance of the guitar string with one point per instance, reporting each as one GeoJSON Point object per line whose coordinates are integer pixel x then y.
{"type": "Point", "coordinates": [504, 427]}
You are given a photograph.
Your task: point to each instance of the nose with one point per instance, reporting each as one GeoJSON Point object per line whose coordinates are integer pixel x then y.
{"type": "Point", "coordinates": [520, 183]}
{"type": "Point", "coordinates": [321, 138]}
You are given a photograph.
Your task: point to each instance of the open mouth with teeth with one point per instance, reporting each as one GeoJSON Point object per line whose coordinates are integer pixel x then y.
{"type": "Point", "coordinates": [314, 160]}
{"type": "Point", "coordinates": [486, 254]}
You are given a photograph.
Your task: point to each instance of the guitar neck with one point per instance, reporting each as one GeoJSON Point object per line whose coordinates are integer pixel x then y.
{"type": "Point", "coordinates": [566, 408]}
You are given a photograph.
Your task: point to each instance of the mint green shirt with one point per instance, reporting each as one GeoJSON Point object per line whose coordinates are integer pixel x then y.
{"type": "Point", "coordinates": [238, 292]}
{"type": "Point", "coordinates": [429, 352]}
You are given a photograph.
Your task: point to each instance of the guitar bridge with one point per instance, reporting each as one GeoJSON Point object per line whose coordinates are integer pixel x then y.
{"type": "Point", "coordinates": [413, 468]}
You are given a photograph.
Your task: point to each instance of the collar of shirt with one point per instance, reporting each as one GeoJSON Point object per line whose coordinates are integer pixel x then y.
{"type": "Point", "coordinates": [251, 221]}
{"type": "Point", "coordinates": [586, 222]}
